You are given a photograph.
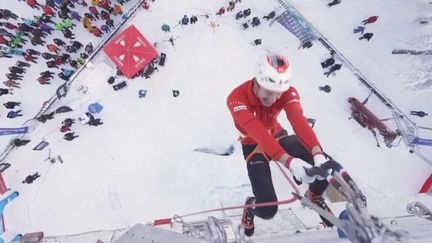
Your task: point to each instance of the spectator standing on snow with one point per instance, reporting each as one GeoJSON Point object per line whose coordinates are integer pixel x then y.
{"type": "Point", "coordinates": [5, 91]}
{"type": "Point", "coordinates": [20, 142]}
{"type": "Point", "coordinates": [110, 23]}
{"type": "Point", "coordinates": [239, 15]}
{"type": "Point", "coordinates": [333, 69]}
{"type": "Point", "coordinates": [366, 36]}
{"type": "Point", "coordinates": [66, 125]}
{"type": "Point", "coordinates": [43, 80]}
{"type": "Point", "coordinates": [53, 48]}
{"type": "Point", "coordinates": [17, 70]}
{"type": "Point", "coordinates": [14, 76]}
{"type": "Point", "coordinates": [76, 44]}
{"type": "Point", "coordinates": [255, 21]}
{"type": "Point", "coordinates": [247, 12]}
{"type": "Point", "coordinates": [96, 31]}
{"type": "Point", "coordinates": [95, 122]}
{"type": "Point", "coordinates": [68, 34]}
{"type": "Point", "coordinates": [30, 178]}
{"type": "Point", "coordinates": [14, 114]}
{"type": "Point", "coordinates": [11, 84]}
{"type": "Point", "coordinates": [93, 10]}
{"type": "Point", "coordinates": [193, 19]}
{"type": "Point", "coordinates": [44, 117]}
{"type": "Point", "coordinates": [65, 74]}
{"type": "Point", "coordinates": [269, 16]}
{"type": "Point", "coordinates": [59, 42]}
{"type": "Point", "coordinates": [334, 2]}
{"type": "Point", "coordinates": [7, 14]}
{"type": "Point", "coordinates": [3, 54]}
{"type": "Point", "coordinates": [47, 74]}
{"type": "Point", "coordinates": [221, 11]}
{"type": "Point", "coordinates": [359, 29]}
{"type": "Point", "coordinates": [29, 58]}
{"type": "Point", "coordinates": [11, 104]}
{"type": "Point", "coordinates": [105, 28]}
{"type": "Point", "coordinates": [68, 122]}
{"type": "Point", "coordinates": [47, 10]}
{"type": "Point", "coordinates": [75, 16]}
{"type": "Point", "coordinates": [33, 4]}
{"type": "Point", "coordinates": [45, 28]}
{"type": "Point", "coordinates": [117, 9]}
{"type": "Point", "coordinates": [89, 48]}
{"type": "Point", "coordinates": [9, 25]}
{"type": "Point", "coordinates": [418, 113]}
{"type": "Point", "coordinates": [95, 2]}
{"type": "Point", "coordinates": [70, 136]}
{"type": "Point", "coordinates": [185, 20]}
{"type": "Point", "coordinates": [328, 62]}
{"type": "Point", "coordinates": [22, 64]}
{"type": "Point", "coordinates": [231, 6]}
{"type": "Point", "coordinates": [370, 20]}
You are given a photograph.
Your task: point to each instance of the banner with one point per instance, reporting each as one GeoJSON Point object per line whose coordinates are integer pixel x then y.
{"type": "Point", "coordinates": [41, 145]}
{"type": "Point", "coordinates": [296, 25]}
{"type": "Point", "coordinates": [422, 141]}
{"type": "Point", "coordinates": [10, 131]}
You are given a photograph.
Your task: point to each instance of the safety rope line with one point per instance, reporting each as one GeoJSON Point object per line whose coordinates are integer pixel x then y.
{"type": "Point", "coordinates": [265, 204]}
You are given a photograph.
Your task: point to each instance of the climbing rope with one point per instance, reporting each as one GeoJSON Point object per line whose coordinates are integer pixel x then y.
{"type": "Point", "coordinates": [257, 205]}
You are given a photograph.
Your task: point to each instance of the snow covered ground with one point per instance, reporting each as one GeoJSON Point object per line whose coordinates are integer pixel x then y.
{"type": "Point", "coordinates": [140, 164]}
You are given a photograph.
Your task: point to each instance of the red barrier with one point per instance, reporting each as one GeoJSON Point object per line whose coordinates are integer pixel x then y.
{"type": "Point", "coordinates": [3, 189]}
{"type": "Point", "coordinates": [427, 186]}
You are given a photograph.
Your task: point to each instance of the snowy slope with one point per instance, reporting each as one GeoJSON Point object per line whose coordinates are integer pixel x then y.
{"type": "Point", "coordinates": [140, 164]}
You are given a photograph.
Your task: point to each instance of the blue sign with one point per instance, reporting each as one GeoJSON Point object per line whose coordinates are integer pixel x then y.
{"type": "Point", "coordinates": [10, 131]}
{"type": "Point", "coordinates": [422, 141]}
{"type": "Point", "coordinates": [296, 25]}
{"type": "Point", "coordinates": [41, 146]}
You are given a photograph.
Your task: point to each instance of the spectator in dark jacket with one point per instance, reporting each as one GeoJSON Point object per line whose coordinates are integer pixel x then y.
{"type": "Point", "coordinates": [11, 104]}
{"type": "Point", "coordinates": [20, 142]}
{"type": "Point", "coordinates": [59, 42]}
{"type": "Point", "coordinates": [16, 70]}
{"type": "Point", "coordinates": [269, 16]}
{"type": "Point", "coordinates": [418, 113]}
{"type": "Point", "coordinates": [44, 117]}
{"type": "Point", "coordinates": [30, 178]}
{"type": "Point", "coordinates": [5, 91]}
{"type": "Point", "coordinates": [328, 62]}
{"type": "Point", "coordinates": [70, 136]}
{"type": "Point", "coordinates": [22, 64]}
{"type": "Point", "coordinates": [13, 76]}
{"type": "Point", "coordinates": [366, 36]}
{"type": "Point", "coordinates": [334, 2]}
{"type": "Point", "coordinates": [6, 13]}
{"type": "Point", "coordinates": [333, 69]}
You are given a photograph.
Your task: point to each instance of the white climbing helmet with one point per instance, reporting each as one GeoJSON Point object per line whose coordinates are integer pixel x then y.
{"type": "Point", "coordinates": [274, 73]}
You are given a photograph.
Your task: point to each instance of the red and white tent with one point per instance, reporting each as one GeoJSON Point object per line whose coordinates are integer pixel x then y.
{"type": "Point", "coordinates": [130, 51]}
